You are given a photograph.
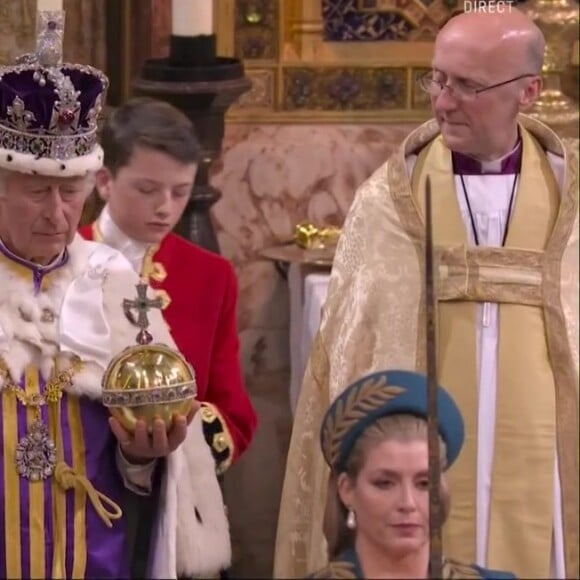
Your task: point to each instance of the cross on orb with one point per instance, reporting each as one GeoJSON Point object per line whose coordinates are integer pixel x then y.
{"type": "Point", "coordinates": [142, 305]}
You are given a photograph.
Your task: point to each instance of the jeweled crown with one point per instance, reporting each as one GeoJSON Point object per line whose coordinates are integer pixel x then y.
{"type": "Point", "coordinates": [49, 110]}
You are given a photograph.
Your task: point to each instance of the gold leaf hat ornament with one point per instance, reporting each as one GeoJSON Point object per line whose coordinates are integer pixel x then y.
{"type": "Point", "coordinates": [148, 380]}
{"type": "Point", "coordinates": [378, 395]}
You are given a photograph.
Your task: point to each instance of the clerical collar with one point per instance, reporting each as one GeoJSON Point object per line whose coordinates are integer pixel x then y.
{"type": "Point", "coordinates": [38, 270]}
{"type": "Point", "coordinates": [509, 164]}
{"type": "Point", "coordinates": [113, 236]}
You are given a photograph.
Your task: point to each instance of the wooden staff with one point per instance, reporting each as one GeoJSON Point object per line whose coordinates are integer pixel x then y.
{"type": "Point", "coordinates": [435, 542]}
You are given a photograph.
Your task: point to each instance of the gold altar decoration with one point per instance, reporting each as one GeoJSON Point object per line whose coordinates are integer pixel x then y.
{"type": "Point", "coordinates": [290, 253]}
{"type": "Point", "coordinates": [558, 20]}
{"type": "Point", "coordinates": [147, 381]}
{"type": "Point", "coordinates": [311, 245]}
{"type": "Point", "coordinates": [310, 237]}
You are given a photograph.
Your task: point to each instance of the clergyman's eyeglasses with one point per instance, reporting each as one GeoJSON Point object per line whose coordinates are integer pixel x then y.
{"type": "Point", "coordinates": [461, 89]}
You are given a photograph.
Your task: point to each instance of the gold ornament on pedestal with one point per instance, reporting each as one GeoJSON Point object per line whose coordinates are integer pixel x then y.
{"type": "Point", "coordinates": [558, 20]}
{"type": "Point", "coordinates": [147, 381]}
{"type": "Point", "coordinates": [311, 237]}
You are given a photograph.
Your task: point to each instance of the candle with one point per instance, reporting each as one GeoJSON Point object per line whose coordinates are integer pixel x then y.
{"type": "Point", "coordinates": [191, 17]}
{"type": "Point", "coordinates": [49, 5]}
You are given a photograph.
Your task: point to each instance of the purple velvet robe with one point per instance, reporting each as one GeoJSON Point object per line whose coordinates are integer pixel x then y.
{"type": "Point", "coordinates": [46, 531]}
{"type": "Point", "coordinates": [30, 532]}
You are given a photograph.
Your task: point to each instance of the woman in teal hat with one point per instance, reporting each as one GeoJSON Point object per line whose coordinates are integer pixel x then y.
{"type": "Point", "coordinates": [374, 438]}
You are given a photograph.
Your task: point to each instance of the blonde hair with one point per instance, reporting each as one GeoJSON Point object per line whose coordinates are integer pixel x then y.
{"type": "Point", "coordinates": [401, 428]}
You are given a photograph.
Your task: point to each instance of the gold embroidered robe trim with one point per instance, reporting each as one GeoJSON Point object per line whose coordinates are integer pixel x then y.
{"type": "Point", "coordinates": [370, 322]}
{"type": "Point", "coordinates": [489, 275]}
{"type": "Point", "coordinates": [525, 419]}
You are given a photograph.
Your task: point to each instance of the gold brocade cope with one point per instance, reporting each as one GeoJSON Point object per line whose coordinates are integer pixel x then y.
{"type": "Point", "coordinates": [526, 390]}
{"type": "Point", "coordinates": [147, 381]}
{"type": "Point", "coordinates": [375, 295]}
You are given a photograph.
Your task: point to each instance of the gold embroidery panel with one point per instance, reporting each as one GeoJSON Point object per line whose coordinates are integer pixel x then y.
{"type": "Point", "coordinates": [490, 275]}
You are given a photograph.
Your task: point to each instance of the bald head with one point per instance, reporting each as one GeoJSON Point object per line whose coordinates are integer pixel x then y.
{"type": "Point", "coordinates": [510, 35]}
{"type": "Point", "coordinates": [486, 71]}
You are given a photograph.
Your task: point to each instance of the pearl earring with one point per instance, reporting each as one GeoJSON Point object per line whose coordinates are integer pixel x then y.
{"type": "Point", "coordinates": [351, 520]}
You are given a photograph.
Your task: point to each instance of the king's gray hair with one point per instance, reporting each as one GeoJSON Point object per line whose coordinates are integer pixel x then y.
{"type": "Point", "coordinates": [90, 184]}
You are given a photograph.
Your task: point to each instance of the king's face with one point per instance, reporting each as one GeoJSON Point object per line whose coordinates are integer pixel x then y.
{"type": "Point", "coordinates": [39, 215]}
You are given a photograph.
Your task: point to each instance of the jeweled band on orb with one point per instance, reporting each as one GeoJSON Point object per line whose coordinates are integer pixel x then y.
{"type": "Point", "coordinates": [142, 397]}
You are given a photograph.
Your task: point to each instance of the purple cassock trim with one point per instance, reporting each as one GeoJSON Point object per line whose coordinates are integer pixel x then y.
{"type": "Point", "coordinates": [509, 165]}
{"type": "Point", "coordinates": [38, 272]}
{"type": "Point", "coordinates": [106, 549]}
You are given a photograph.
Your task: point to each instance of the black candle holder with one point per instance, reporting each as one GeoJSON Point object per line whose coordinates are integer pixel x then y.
{"type": "Point", "coordinates": [202, 85]}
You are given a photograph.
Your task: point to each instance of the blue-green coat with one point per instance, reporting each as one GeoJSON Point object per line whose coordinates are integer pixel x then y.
{"type": "Point", "coordinates": [347, 566]}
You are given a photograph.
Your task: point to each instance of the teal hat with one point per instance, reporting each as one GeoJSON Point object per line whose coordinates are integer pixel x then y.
{"type": "Point", "coordinates": [378, 395]}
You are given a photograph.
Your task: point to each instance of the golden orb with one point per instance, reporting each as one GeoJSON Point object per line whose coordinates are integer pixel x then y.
{"type": "Point", "coordinates": [148, 381]}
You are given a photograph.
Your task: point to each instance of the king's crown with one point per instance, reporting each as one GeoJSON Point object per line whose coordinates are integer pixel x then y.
{"type": "Point", "coordinates": [49, 110]}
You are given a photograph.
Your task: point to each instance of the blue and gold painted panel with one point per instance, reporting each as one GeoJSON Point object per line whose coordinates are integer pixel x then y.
{"type": "Point", "coordinates": [344, 89]}
{"type": "Point", "coordinates": [380, 20]}
{"type": "Point", "coordinates": [323, 59]}
{"type": "Point", "coordinates": [386, 20]}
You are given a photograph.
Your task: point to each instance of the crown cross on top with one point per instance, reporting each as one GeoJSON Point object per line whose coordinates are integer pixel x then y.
{"type": "Point", "coordinates": [49, 38]}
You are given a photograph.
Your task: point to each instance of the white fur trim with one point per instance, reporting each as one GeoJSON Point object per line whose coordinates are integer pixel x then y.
{"type": "Point", "coordinates": [26, 339]}
{"type": "Point", "coordinates": [31, 341]}
{"type": "Point", "coordinates": [186, 546]}
{"type": "Point", "coordinates": [28, 163]}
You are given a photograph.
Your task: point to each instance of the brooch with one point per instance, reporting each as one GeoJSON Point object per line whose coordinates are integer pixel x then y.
{"type": "Point", "coordinates": [35, 454]}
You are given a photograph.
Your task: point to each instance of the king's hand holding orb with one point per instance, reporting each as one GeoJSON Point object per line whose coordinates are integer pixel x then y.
{"type": "Point", "coordinates": [149, 389]}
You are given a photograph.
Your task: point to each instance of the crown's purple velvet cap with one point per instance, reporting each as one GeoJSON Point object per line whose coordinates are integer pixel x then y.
{"type": "Point", "coordinates": [40, 100]}
{"type": "Point", "coordinates": [49, 110]}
